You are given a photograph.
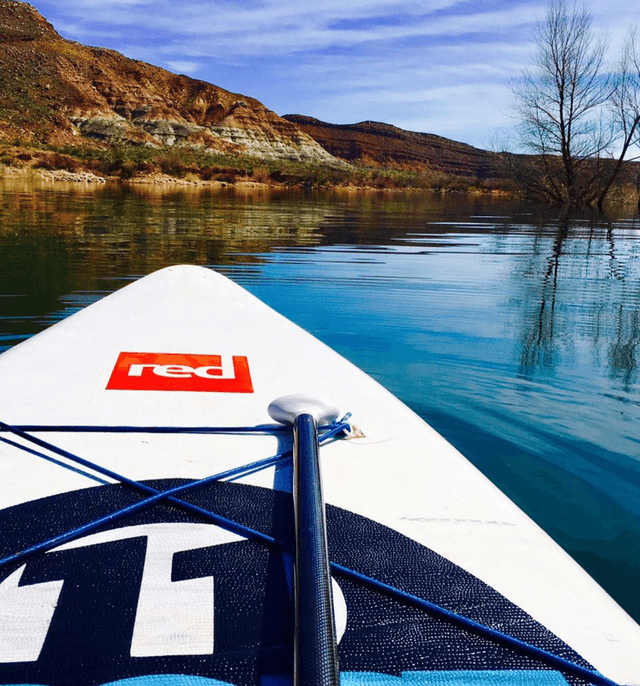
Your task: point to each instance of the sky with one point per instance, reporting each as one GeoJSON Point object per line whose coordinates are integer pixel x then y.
{"type": "Point", "coordinates": [436, 66]}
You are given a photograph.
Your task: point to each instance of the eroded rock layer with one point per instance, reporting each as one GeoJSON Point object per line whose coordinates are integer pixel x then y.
{"type": "Point", "coordinates": [54, 90]}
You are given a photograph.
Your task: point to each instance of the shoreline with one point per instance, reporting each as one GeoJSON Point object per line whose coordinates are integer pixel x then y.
{"type": "Point", "coordinates": [625, 196]}
{"type": "Point", "coordinates": [188, 166]}
{"type": "Point", "coordinates": [90, 179]}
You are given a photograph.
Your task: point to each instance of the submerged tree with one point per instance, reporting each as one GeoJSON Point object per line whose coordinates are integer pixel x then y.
{"type": "Point", "coordinates": [625, 109]}
{"type": "Point", "coordinates": [572, 113]}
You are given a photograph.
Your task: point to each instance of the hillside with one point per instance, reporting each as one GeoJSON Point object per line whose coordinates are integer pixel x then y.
{"type": "Point", "coordinates": [382, 145]}
{"type": "Point", "coordinates": [67, 106]}
{"type": "Point", "coordinates": [53, 90]}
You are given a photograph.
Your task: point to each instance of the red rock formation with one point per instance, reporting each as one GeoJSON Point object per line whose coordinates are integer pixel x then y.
{"type": "Point", "coordinates": [52, 90]}
{"type": "Point", "coordinates": [382, 145]}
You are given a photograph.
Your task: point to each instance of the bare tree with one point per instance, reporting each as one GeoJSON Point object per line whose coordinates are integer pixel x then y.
{"type": "Point", "coordinates": [572, 113]}
{"type": "Point", "coordinates": [625, 109]}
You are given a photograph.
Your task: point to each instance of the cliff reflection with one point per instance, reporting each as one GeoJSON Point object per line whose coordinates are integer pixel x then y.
{"type": "Point", "coordinates": [70, 244]}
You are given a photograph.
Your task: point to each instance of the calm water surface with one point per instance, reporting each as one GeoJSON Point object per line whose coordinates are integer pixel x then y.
{"type": "Point", "coordinates": [515, 334]}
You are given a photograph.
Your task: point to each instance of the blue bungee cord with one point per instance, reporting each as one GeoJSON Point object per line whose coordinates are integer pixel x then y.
{"type": "Point", "coordinates": [330, 432]}
{"type": "Point", "coordinates": [97, 428]}
{"type": "Point", "coordinates": [48, 458]}
{"type": "Point", "coordinates": [550, 659]}
{"type": "Point", "coordinates": [539, 654]}
{"type": "Point", "coordinates": [90, 527]}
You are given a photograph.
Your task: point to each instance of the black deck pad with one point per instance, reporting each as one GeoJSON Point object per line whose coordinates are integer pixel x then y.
{"type": "Point", "coordinates": [89, 636]}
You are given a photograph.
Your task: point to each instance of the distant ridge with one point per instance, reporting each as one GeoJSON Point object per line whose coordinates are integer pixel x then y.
{"type": "Point", "coordinates": [375, 144]}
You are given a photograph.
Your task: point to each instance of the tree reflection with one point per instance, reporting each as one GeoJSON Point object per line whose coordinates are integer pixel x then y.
{"type": "Point", "coordinates": [538, 347]}
{"type": "Point", "coordinates": [581, 285]}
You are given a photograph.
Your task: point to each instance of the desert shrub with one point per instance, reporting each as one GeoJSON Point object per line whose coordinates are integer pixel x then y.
{"type": "Point", "coordinates": [260, 175]}
{"type": "Point", "coordinates": [281, 176]}
{"type": "Point", "coordinates": [208, 173]}
{"type": "Point", "coordinates": [44, 163]}
{"type": "Point", "coordinates": [58, 161]}
{"type": "Point", "coordinates": [148, 167]}
{"type": "Point", "coordinates": [92, 166]}
{"type": "Point", "coordinates": [172, 165]}
{"type": "Point", "coordinates": [127, 169]}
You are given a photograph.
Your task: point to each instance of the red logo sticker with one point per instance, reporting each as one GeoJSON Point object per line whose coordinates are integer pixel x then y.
{"type": "Point", "coordinates": [171, 372]}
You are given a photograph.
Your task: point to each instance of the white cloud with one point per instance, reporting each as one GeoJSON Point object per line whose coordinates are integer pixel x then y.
{"type": "Point", "coordinates": [285, 26]}
{"type": "Point", "coordinates": [184, 66]}
{"type": "Point", "coordinates": [79, 7]}
{"type": "Point", "coordinates": [285, 32]}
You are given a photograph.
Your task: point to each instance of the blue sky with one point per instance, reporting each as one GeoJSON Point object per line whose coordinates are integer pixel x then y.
{"type": "Point", "coordinates": [437, 66]}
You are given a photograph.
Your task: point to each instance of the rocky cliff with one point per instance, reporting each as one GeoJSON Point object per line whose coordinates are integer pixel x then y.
{"type": "Point", "coordinates": [53, 90]}
{"type": "Point", "coordinates": [382, 145]}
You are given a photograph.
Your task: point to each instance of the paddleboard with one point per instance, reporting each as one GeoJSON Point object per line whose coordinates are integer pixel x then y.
{"type": "Point", "coordinates": [164, 386]}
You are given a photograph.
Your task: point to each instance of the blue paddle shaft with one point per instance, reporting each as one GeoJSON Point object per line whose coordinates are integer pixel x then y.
{"type": "Point", "coordinates": [316, 656]}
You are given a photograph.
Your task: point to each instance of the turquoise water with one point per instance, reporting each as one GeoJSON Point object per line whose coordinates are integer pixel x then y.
{"type": "Point", "coordinates": [515, 334]}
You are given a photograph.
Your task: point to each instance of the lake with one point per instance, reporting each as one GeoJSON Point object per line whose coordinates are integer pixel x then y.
{"type": "Point", "coordinates": [513, 332]}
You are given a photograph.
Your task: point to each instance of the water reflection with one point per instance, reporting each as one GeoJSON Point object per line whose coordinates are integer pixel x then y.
{"type": "Point", "coordinates": [582, 282]}
{"type": "Point", "coordinates": [514, 333]}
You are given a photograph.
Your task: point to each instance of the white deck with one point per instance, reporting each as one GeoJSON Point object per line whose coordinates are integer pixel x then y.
{"type": "Point", "coordinates": [403, 474]}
